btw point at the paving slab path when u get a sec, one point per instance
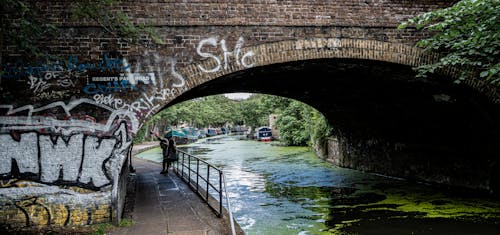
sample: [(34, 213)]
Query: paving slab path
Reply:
[(164, 204)]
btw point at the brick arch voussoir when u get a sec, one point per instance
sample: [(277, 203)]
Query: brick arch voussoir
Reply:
[(332, 48)]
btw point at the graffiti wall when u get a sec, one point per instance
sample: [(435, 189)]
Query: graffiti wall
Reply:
[(69, 113), (67, 126), (59, 169)]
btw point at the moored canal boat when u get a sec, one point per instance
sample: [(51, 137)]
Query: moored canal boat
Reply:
[(179, 137), (263, 133)]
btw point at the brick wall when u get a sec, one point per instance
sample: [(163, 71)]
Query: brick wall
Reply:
[(259, 21), (343, 13), (92, 99)]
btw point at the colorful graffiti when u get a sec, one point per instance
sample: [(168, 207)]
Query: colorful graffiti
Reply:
[(30, 117), (64, 150), (165, 84), (28, 203), (60, 171), (50, 76), (68, 68), (65, 159)]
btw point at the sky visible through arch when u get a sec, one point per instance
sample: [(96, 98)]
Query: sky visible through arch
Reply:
[(238, 96)]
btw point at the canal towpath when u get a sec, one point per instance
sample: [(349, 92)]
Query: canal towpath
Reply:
[(164, 204)]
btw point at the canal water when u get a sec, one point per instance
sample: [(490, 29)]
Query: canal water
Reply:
[(288, 190)]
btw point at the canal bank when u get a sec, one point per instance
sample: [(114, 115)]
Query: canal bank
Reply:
[(164, 204)]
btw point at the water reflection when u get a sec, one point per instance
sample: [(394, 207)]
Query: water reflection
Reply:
[(288, 190)]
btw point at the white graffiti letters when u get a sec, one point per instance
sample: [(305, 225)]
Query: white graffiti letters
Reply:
[(95, 152), (27, 162), (226, 55), (142, 107), (60, 156), (76, 158), (65, 127), (211, 42), (177, 75)]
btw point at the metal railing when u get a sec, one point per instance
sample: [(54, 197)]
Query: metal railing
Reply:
[(208, 181)]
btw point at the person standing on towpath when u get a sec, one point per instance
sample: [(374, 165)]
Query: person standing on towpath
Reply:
[(169, 151)]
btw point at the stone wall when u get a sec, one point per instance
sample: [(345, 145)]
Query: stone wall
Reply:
[(396, 161)]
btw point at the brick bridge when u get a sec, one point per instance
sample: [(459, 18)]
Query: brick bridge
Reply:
[(66, 127)]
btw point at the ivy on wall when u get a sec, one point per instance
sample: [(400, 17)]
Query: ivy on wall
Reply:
[(23, 25), (116, 23)]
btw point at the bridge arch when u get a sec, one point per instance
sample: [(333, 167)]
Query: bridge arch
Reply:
[(321, 48), (397, 124)]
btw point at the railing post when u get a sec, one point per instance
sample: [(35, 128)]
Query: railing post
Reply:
[(197, 173), (175, 165), (182, 166), (222, 185), (220, 194), (208, 180), (189, 169), (177, 162)]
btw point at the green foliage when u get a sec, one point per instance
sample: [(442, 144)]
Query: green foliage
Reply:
[(101, 229), (21, 26), (292, 125), (202, 112), (468, 34), (114, 22), (255, 113), (140, 135), (320, 128), (298, 123), (275, 103), (126, 222)]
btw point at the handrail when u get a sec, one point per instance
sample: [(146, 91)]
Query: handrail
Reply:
[(233, 231), (183, 168)]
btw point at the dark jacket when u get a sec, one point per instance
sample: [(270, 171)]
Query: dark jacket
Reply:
[(164, 148), (172, 150)]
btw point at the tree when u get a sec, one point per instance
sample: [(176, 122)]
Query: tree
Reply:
[(467, 34), (292, 124), (301, 124), (298, 123), (254, 113)]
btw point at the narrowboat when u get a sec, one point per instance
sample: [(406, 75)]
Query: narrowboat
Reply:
[(263, 133), (191, 134), (211, 132)]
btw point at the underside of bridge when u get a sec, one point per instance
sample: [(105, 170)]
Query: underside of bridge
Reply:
[(386, 120)]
